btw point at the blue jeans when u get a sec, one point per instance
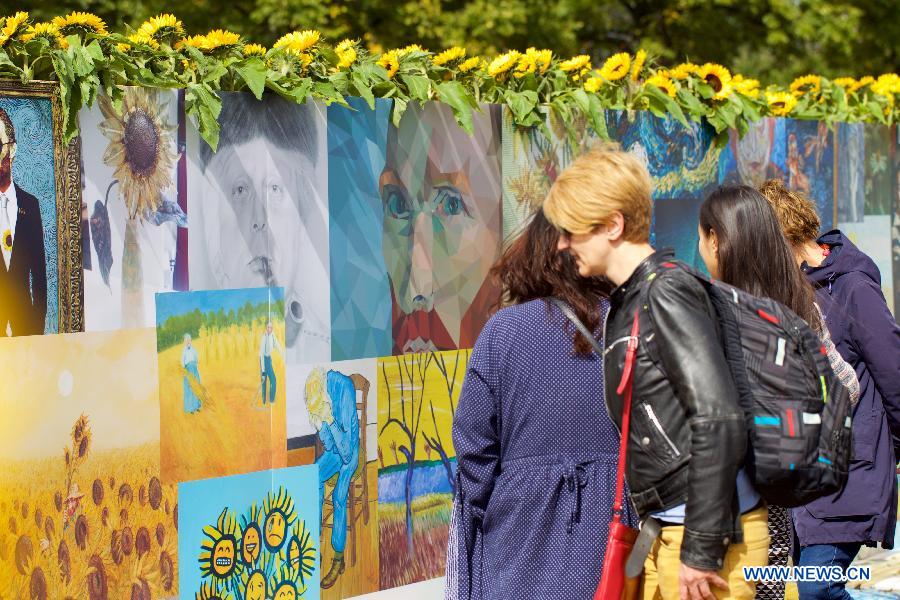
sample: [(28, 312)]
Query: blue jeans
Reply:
[(329, 464), (826, 555), (268, 375)]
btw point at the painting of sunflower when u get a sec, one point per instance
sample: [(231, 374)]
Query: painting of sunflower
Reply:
[(141, 151), (140, 148)]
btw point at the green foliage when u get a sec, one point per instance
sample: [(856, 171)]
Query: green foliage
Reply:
[(171, 332)]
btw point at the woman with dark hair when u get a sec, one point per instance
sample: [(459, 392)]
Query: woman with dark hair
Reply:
[(742, 244), (536, 450)]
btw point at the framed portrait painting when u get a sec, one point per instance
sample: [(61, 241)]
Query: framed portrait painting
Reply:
[(40, 214)]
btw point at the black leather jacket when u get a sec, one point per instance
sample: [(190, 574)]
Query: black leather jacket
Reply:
[(687, 437)]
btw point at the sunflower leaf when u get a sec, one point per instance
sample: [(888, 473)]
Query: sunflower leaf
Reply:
[(253, 72), (204, 105), (419, 87), (454, 94), (360, 86)]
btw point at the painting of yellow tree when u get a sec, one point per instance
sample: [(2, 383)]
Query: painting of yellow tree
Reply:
[(417, 396), (83, 512)]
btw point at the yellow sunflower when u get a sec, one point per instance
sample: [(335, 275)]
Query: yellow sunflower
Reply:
[(164, 27), (80, 22), (808, 84), (7, 240), (221, 39), (541, 58), (140, 39), (410, 49), (469, 64), (347, 54), (527, 64), (47, 31), (140, 148), (639, 59), (449, 55), (576, 63), (298, 42), (889, 82), (503, 63), (593, 84), (747, 87), (254, 50), (780, 103), (846, 83), (390, 62), (663, 82), (616, 67), (12, 25), (684, 70), (194, 41), (718, 78), (863, 82)]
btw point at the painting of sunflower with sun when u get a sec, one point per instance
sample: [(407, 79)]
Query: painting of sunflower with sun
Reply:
[(83, 512), (251, 537), (133, 213)]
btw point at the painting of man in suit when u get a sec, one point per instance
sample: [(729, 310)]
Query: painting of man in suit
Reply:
[(23, 277)]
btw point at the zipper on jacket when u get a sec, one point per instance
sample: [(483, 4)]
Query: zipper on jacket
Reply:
[(652, 416)]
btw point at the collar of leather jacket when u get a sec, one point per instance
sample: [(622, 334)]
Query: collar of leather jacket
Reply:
[(647, 266)]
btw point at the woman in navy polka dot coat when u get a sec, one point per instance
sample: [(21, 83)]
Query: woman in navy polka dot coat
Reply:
[(536, 450)]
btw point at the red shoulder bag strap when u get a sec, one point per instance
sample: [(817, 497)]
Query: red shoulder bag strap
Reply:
[(626, 386)]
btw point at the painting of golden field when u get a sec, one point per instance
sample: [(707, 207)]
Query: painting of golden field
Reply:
[(417, 397), (83, 513), (232, 431)]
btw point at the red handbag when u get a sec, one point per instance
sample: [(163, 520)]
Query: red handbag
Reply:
[(614, 585)]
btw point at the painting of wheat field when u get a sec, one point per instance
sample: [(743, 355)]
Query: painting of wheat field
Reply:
[(83, 512), (222, 406)]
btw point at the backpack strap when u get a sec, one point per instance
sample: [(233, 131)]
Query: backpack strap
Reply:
[(581, 327), (626, 386)]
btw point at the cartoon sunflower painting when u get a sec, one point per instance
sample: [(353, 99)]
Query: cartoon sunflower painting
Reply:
[(218, 556), (272, 553), (141, 152)]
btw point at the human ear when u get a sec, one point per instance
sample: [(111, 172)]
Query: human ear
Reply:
[(615, 226)]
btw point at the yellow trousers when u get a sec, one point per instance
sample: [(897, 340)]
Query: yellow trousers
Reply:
[(660, 580)]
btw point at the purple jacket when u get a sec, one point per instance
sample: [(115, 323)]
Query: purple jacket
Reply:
[(848, 289)]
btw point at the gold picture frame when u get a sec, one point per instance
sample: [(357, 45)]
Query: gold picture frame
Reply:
[(67, 175)]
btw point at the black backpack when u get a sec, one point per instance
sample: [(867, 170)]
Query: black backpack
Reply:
[(797, 411)]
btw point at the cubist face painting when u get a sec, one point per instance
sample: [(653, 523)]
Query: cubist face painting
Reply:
[(441, 194)]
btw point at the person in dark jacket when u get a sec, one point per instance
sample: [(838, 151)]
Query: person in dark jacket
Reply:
[(687, 439), (536, 450), (831, 530)]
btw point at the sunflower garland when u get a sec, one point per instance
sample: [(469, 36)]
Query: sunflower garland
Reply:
[(302, 64)]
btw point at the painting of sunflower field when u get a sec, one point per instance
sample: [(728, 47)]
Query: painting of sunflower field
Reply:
[(221, 382), (251, 537), (83, 512)]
